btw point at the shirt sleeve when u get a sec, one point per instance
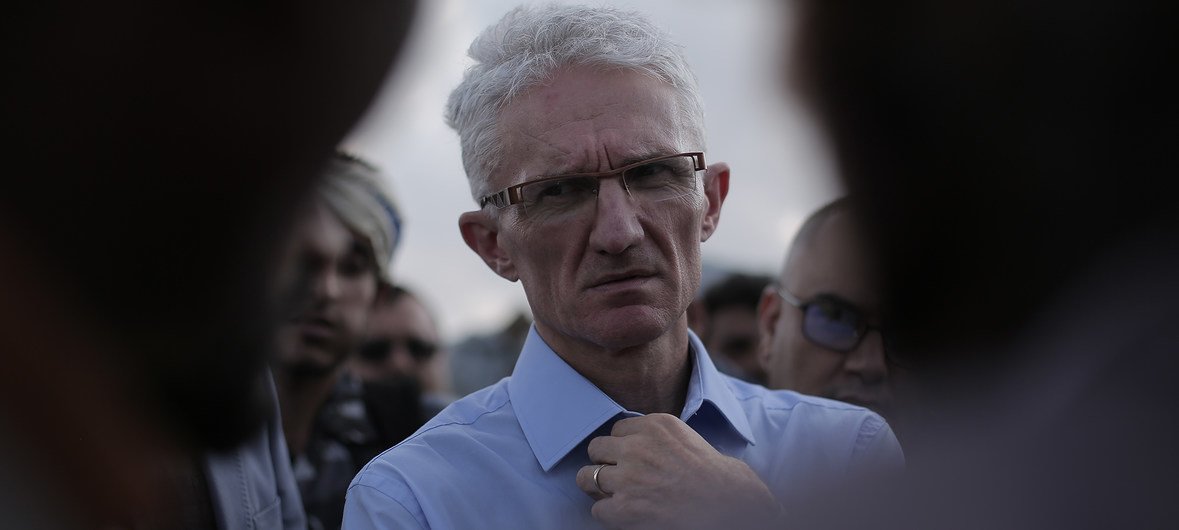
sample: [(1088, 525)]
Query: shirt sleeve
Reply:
[(369, 508), (293, 517), (876, 450)]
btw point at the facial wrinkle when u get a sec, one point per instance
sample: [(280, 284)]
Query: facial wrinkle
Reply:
[(540, 139)]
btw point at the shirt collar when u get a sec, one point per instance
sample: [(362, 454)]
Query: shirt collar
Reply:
[(558, 408), (707, 385)]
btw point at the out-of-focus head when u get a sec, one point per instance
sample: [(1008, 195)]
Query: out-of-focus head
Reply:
[(730, 308), (159, 152), (402, 340), (820, 321), (598, 195), (998, 147), (531, 45), (340, 255)]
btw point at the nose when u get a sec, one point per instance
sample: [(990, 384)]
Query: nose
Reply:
[(402, 362), (616, 223), (867, 360), (326, 284)]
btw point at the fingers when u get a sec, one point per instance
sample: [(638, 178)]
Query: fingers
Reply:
[(660, 473), (585, 480), (656, 429), (608, 512), (605, 450), (638, 424)]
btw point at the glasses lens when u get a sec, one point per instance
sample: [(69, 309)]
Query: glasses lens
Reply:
[(419, 349), (375, 351), (892, 353), (556, 196), (832, 324), (664, 179)]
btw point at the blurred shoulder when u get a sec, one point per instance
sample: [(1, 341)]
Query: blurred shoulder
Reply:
[(803, 441), (790, 409)]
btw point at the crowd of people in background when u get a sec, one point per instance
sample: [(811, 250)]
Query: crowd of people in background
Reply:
[(203, 327)]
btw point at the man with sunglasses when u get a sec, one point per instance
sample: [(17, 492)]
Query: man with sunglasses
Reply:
[(819, 323), (583, 141), (402, 343)]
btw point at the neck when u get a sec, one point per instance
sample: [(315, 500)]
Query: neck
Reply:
[(648, 378), (300, 396)]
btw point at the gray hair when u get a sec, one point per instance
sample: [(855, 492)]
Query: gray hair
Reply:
[(530, 44)]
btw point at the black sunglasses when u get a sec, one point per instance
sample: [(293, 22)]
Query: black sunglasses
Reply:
[(833, 323), (378, 350)]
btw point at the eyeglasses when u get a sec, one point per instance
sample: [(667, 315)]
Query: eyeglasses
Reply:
[(378, 350), (657, 179), (832, 323)]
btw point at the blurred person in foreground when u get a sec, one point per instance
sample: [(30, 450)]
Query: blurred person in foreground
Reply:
[(819, 323), (730, 332), (1014, 160), (582, 137), (401, 341), (155, 155), (342, 253)]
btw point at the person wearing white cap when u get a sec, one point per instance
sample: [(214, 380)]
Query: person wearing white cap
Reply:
[(338, 263)]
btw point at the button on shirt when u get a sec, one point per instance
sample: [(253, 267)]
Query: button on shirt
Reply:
[(507, 456)]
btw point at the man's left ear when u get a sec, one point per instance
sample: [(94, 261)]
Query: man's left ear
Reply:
[(716, 188)]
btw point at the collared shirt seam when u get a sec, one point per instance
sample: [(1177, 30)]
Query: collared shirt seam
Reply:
[(871, 423), (471, 422), (421, 522), (843, 407), (422, 433), (870, 428), (698, 371)]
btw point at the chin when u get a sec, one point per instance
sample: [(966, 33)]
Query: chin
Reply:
[(312, 361), (630, 326)]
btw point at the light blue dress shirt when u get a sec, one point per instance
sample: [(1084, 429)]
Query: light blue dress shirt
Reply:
[(507, 456)]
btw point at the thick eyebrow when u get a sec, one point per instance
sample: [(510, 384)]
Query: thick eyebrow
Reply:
[(641, 156), (644, 156)]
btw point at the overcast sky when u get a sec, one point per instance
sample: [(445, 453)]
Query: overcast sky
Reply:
[(781, 170)]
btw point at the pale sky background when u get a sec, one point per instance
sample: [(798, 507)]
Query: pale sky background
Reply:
[(781, 169)]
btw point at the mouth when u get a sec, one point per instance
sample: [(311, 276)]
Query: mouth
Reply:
[(316, 328), (622, 280)]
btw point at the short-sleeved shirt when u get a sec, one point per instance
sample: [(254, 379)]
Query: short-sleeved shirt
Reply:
[(507, 456)]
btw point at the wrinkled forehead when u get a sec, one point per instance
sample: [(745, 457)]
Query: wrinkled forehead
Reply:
[(585, 121)]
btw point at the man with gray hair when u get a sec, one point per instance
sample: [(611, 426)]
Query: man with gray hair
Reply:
[(582, 137)]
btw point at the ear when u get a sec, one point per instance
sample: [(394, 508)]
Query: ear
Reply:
[(481, 233), (716, 188), (769, 308)]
